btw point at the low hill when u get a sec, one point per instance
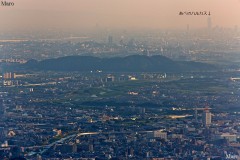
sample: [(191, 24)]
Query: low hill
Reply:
[(135, 63)]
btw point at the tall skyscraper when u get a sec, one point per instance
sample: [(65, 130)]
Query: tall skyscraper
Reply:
[(110, 40), (207, 117), (209, 23), (236, 29)]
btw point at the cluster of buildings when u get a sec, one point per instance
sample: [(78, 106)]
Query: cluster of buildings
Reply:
[(101, 115)]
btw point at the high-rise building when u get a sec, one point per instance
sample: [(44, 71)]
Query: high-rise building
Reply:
[(110, 40), (207, 117), (8, 75), (236, 29), (209, 23)]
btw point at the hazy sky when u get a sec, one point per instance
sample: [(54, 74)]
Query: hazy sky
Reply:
[(80, 14)]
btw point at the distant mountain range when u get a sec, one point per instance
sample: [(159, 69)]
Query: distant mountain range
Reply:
[(135, 63)]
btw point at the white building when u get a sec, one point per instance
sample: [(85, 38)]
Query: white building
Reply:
[(227, 136), (157, 134), (207, 118)]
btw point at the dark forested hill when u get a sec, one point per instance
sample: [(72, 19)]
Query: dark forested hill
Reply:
[(135, 63)]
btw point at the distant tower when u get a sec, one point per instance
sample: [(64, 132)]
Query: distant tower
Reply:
[(110, 40), (207, 117), (148, 54), (236, 29), (209, 23)]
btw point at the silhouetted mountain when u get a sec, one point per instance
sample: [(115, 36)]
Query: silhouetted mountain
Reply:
[(135, 63)]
